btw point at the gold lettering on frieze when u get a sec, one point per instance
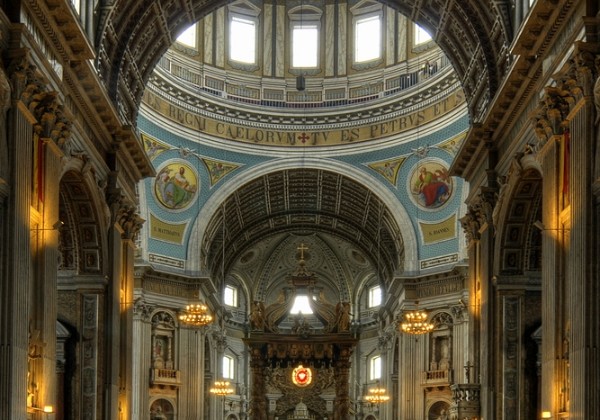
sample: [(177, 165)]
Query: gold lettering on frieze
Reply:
[(306, 137)]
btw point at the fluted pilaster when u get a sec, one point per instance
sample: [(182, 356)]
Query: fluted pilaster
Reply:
[(16, 288)]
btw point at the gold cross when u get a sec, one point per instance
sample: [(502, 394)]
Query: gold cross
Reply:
[(302, 248)]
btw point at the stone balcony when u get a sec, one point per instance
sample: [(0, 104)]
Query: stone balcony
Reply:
[(168, 377), (436, 377)]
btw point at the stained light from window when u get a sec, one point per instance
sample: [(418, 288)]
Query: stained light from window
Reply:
[(305, 45), (228, 367), (230, 296), (367, 39), (188, 37), (375, 368), (421, 35), (242, 40), (301, 306), (374, 296)]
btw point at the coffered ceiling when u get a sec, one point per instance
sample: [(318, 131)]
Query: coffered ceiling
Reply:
[(301, 201)]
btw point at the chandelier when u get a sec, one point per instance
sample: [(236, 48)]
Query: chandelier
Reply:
[(377, 395), (415, 322), (221, 388), (196, 315)]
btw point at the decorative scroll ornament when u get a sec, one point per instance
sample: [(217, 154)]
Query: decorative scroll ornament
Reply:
[(221, 388), (196, 315), (302, 376)]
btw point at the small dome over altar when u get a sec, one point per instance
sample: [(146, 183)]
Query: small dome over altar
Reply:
[(301, 413)]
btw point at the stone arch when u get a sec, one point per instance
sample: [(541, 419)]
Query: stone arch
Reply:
[(82, 242), (162, 409), (518, 240), (439, 410)]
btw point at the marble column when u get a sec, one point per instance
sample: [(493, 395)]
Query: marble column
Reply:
[(15, 274), (44, 298), (582, 273), (553, 298), (142, 350)]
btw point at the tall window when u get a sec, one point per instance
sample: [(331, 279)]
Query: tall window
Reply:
[(305, 25), (228, 367), (305, 45), (242, 39), (367, 38), (375, 368), (188, 37), (374, 296), (421, 35), (230, 297)]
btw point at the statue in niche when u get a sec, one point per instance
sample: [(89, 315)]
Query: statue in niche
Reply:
[(444, 361), (343, 316), (257, 316), (440, 354), (158, 353)]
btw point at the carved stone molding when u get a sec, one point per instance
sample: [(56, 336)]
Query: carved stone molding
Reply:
[(129, 221), (472, 222)]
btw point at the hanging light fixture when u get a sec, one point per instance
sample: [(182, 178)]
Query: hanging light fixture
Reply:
[(196, 315), (221, 388), (377, 395), (416, 322)]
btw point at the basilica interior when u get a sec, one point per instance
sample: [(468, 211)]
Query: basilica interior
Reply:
[(299, 210)]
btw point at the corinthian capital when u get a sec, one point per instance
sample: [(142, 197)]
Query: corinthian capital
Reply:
[(129, 221)]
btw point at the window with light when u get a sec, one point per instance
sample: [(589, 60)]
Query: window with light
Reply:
[(374, 296), (421, 35), (375, 368), (301, 306), (367, 38), (230, 297), (228, 367), (242, 39), (188, 37), (305, 45)]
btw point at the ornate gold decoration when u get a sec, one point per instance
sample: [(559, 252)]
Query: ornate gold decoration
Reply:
[(415, 322), (302, 376), (221, 388), (196, 315), (377, 395)]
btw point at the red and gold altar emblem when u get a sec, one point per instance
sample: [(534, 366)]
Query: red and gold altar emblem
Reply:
[(301, 376)]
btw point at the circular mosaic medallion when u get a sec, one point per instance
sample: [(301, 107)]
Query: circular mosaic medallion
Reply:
[(176, 185), (430, 184)]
